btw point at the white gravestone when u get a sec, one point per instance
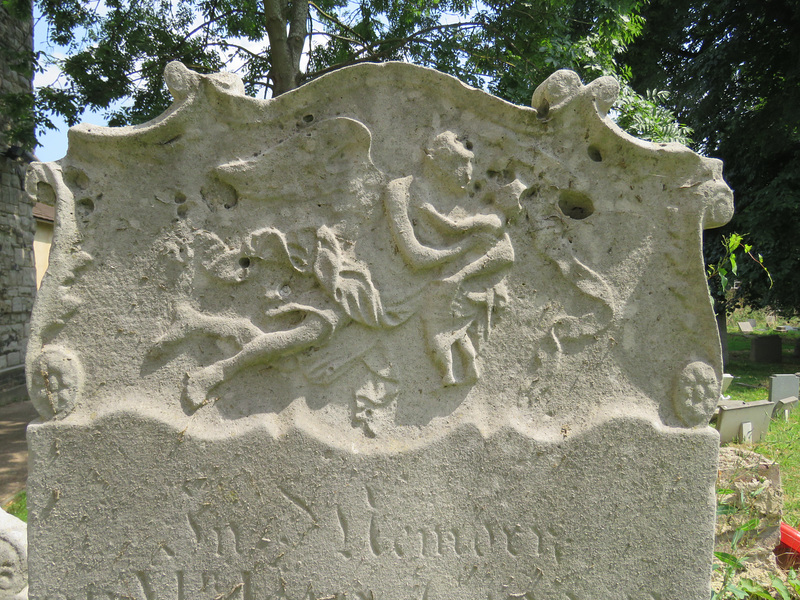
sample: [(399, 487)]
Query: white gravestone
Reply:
[(383, 337)]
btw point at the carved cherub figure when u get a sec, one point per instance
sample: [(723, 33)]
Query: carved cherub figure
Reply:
[(457, 255), (467, 254), (345, 281)]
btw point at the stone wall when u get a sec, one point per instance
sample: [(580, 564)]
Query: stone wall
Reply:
[(17, 272)]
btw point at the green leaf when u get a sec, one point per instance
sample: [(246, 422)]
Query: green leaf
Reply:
[(780, 587), (730, 560), (733, 264), (755, 589), (750, 525), (737, 537), (737, 592)]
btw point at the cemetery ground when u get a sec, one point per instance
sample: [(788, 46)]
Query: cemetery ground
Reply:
[(751, 383)]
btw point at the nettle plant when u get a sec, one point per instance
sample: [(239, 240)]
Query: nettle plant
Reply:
[(728, 264)]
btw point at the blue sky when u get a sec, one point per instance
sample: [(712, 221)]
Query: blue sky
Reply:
[(53, 144)]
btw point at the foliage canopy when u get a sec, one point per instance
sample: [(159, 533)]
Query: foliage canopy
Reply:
[(116, 51), (732, 69)]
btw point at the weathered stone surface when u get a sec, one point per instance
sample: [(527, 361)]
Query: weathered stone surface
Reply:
[(13, 558), (414, 342)]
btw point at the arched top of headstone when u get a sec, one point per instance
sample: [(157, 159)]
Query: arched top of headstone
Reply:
[(377, 258)]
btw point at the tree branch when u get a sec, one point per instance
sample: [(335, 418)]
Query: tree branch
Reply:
[(400, 42), (298, 30), (396, 43), (237, 47), (333, 19)]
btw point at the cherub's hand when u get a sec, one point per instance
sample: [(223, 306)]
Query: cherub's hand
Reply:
[(473, 224)]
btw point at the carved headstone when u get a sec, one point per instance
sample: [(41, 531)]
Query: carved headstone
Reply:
[(13, 558), (383, 337)]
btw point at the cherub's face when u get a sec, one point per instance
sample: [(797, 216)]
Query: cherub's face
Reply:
[(12, 575), (450, 161)]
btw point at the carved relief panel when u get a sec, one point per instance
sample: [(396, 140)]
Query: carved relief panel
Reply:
[(371, 276)]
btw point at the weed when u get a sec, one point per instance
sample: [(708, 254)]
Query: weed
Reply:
[(18, 506)]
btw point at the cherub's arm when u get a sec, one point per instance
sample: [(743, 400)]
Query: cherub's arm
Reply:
[(417, 255), (467, 225), (500, 256)]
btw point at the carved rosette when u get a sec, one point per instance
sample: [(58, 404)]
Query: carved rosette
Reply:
[(13, 558), (57, 381), (695, 393)]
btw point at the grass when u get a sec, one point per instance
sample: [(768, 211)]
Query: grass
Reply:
[(18, 506), (751, 382)]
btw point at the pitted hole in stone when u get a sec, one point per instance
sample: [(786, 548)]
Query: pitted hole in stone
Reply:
[(180, 198), (468, 145), (84, 207), (217, 194), (183, 210), (543, 110), (594, 153), (45, 193), (76, 177), (244, 262), (502, 176), (530, 193), (575, 205), (308, 118)]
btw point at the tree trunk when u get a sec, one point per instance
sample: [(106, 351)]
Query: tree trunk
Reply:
[(285, 49), (722, 327)]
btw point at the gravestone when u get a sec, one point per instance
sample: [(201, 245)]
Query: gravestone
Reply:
[(743, 421), (784, 385), (783, 408), (383, 337), (766, 349)]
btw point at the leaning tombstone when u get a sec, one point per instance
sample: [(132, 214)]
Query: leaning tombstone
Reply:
[(743, 421), (399, 344), (783, 408)]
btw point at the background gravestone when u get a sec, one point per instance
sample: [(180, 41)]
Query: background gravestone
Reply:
[(410, 343)]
